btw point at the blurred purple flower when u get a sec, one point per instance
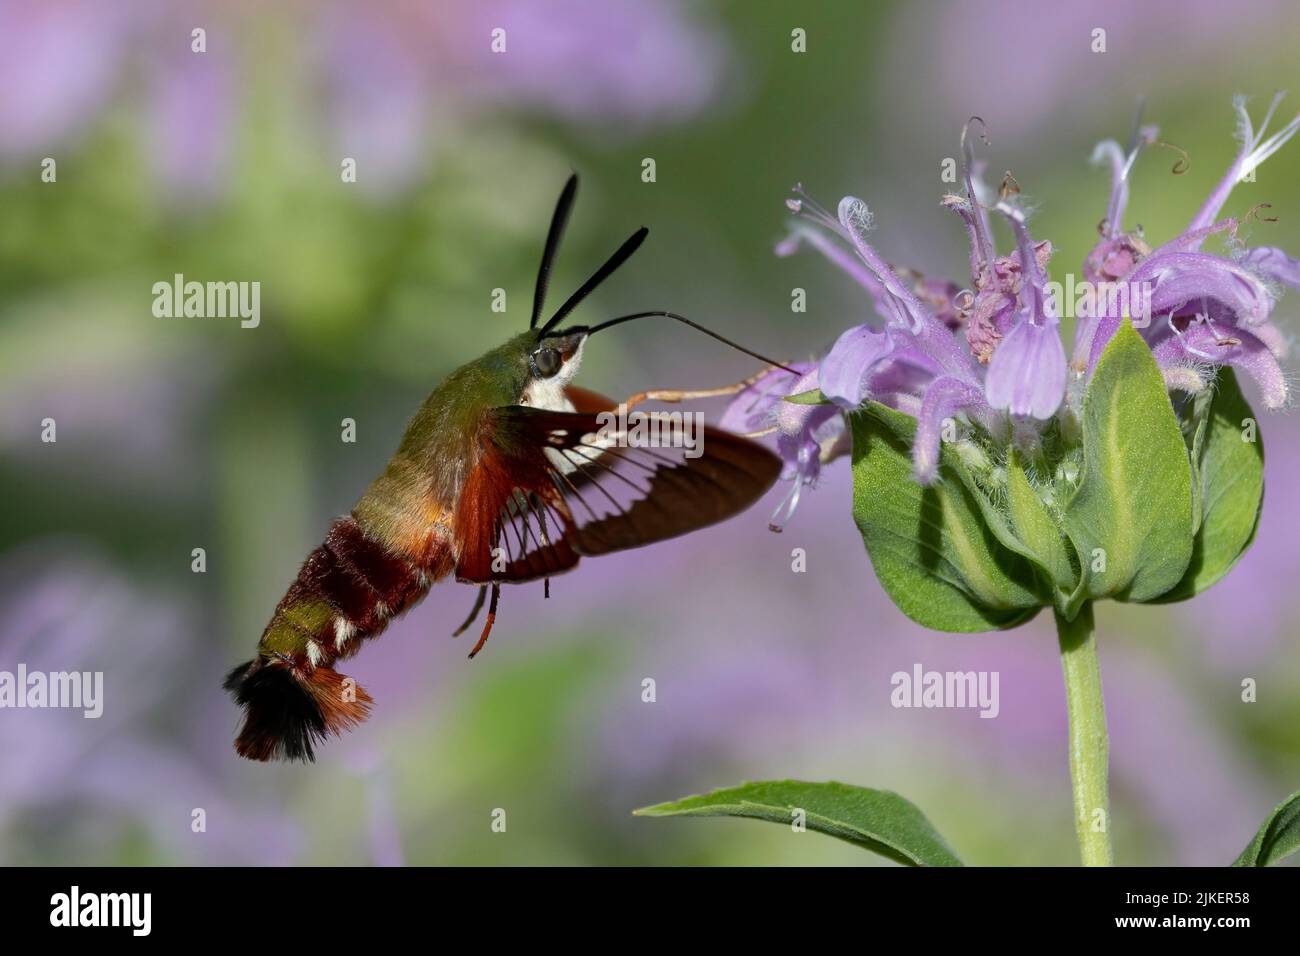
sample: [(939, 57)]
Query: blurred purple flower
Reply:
[(591, 62), (190, 111), (129, 416), (1033, 54), (61, 62), (65, 611), (58, 61), (398, 68), (393, 75), (1161, 768), (378, 82)]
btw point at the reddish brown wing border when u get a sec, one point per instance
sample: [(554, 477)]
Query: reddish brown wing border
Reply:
[(510, 502), (541, 518)]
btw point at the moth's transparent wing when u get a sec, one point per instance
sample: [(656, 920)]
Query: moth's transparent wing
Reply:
[(550, 487)]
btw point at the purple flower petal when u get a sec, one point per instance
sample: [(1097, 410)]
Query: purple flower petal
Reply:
[(847, 368), (945, 397), (1095, 334), (899, 305), (1275, 264), (795, 426), (855, 218), (1188, 281), (1201, 342), (755, 407), (1027, 373), (804, 433)]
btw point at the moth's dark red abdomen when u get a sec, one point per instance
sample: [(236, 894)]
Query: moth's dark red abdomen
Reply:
[(379, 578), (346, 591)]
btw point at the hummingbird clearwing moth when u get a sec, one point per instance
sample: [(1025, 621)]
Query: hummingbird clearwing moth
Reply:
[(507, 473)]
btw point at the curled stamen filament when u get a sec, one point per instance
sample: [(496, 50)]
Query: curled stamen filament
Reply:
[(1183, 164), (1254, 211)]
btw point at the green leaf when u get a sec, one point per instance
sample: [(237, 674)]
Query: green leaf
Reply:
[(1195, 424), (1033, 524), (876, 820), (1278, 838), (1133, 508), (1228, 470), (813, 396), (935, 549)]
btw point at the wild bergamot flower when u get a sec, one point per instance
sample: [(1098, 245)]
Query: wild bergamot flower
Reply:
[(993, 478), (992, 354)]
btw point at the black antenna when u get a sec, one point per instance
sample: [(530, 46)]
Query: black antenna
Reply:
[(695, 325), (558, 221), (619, 257)]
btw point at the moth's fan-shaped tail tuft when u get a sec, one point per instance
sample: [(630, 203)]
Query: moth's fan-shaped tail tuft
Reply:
[(288, 711)]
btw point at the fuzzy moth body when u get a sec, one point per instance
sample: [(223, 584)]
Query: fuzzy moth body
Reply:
[(346, 592), (497, 452)]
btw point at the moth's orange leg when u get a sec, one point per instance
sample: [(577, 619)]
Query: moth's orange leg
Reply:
[(491, 619), (478, 606), (686, 395)]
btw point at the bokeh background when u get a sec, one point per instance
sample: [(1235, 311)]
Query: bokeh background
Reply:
[(182, 433)]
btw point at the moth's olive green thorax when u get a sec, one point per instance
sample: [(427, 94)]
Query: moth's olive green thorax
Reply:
[(528, 367), (442, 439)]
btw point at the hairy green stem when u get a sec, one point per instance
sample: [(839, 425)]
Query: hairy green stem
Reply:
[(1089, 745)]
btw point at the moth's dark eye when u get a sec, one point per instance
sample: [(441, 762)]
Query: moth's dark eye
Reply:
[(547, 362)]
